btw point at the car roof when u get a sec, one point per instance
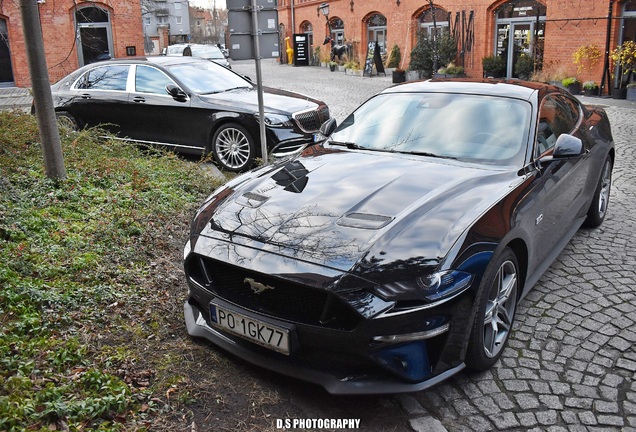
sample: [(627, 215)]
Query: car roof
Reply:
[(494, 87), (161, 60)]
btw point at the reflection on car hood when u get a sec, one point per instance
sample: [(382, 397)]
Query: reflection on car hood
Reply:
[(335, 207), (274, 100)]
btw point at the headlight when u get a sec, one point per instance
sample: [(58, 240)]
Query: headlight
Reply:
[(431, 287), (276, 120)]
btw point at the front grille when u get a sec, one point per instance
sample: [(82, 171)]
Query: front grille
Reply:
[(310, 121), (287, 300)]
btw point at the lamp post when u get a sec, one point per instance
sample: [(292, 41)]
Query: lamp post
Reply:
[(324, 8)]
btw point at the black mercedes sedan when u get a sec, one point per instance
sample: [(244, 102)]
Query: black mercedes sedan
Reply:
[(394, 254), (187, 104)]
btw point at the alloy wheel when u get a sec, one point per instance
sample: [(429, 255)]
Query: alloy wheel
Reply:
[(500, 309), (232, 148)]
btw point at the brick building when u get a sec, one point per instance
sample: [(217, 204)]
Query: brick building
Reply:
[(74, 32), (549, 30)]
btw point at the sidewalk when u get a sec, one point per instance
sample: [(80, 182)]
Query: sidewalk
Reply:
[(20, 98), (15, 98)]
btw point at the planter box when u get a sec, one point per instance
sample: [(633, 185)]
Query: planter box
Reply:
[(631, 94), (323, 64), (590, 92), (412, 75), (357, 72), (398, 77), (341, 68), (619, 93), (575, 88)]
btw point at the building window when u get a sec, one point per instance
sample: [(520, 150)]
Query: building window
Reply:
[(337, 30), (308, 29), (376, 26), (178, 19), (177, 5), (435, 18)]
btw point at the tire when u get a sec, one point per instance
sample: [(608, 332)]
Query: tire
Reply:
[(600, 201), (66, 120), (497, 304), (233, 148)]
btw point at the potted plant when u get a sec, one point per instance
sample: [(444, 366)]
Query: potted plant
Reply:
[(524, 67), (590, 88), (454, 71), (493, 66), (631, 92), (429, 53), (624, 57), (394, 57), (586, 57), (332, 66), (399, 75), (572, 85)]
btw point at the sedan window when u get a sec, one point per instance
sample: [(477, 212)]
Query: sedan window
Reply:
[(473, 128), (151, 80), (205, 77), (558, 116), (105, 78)]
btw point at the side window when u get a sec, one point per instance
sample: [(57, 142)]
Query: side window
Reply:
[(558, 115), (105, 78), (151, 80)]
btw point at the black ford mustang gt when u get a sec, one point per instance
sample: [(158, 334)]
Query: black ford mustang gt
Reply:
[(394, 254), (188, 104)]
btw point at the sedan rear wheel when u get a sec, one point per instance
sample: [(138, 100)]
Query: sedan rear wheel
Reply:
[(233, 148), (495, 312), (66, 120), (600, 201)]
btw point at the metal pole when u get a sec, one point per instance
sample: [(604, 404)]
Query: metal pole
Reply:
[(44, 110), (606, 66), (259, 81)]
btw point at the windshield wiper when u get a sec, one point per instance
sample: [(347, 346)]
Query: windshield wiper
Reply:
[(238, 88), (347, 144), (418, 153)]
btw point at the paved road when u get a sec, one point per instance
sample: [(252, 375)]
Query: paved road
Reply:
[(571, 362)]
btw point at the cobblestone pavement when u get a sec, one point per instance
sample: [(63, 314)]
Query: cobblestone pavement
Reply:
[(571, 362)]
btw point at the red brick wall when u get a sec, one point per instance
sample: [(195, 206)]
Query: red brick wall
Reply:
[(564, 33), (58, 31)]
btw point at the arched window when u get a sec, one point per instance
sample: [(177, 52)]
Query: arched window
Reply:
[(435, 18), (95, 41), (308, 29), (336, 25), (376, 26), (629, 22)]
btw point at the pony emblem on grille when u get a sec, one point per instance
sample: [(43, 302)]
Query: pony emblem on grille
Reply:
[(257, 287)]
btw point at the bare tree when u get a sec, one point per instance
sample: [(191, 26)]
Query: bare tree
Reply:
[(47, 123)]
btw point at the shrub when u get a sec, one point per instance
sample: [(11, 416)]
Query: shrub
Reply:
[(586, 57), (524, 67), (590, 85), (567, 82), (423, 56), (493, 64), (394, 57)]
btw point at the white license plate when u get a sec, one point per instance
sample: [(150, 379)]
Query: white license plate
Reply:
[(264, 334)]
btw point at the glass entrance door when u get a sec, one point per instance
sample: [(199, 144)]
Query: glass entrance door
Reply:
[(94, 44), (514, 40), (6, 71)]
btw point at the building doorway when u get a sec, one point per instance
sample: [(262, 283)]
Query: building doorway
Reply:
[(6, 70), (376, 26), (520, 36), (95, 41)]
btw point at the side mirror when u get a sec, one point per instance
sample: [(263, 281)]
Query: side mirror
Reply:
[(328, 127), (566, 147), (176, 93)]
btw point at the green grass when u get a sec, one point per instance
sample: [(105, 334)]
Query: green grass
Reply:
[(71, 254)]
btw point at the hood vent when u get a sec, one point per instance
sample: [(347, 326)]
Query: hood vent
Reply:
[(252, 200), (364, 220)]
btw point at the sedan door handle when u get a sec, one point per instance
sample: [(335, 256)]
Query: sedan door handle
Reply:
[(139, 99), (85, 96)]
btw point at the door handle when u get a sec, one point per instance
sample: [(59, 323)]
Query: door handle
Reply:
[(139, 99)]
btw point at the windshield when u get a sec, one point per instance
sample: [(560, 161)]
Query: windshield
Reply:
[(206, 77), (473, 128), (207, 52)]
